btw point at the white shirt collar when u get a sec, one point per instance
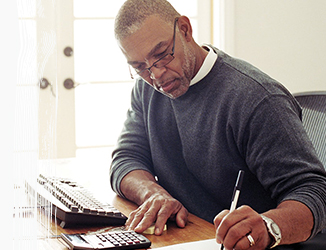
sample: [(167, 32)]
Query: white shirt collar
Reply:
[(206, 67)]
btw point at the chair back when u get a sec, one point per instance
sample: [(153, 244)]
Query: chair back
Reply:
[(314, 119)]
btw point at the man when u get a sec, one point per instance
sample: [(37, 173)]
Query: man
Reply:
[(197, 117)]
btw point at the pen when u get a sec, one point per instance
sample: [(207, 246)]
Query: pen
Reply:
[(236, 193)]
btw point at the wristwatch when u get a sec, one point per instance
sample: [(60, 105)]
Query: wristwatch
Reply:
[(273, 231)]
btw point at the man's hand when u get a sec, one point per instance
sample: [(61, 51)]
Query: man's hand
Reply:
[(158, 208), (232, 229), (294, 219), (156, 205)]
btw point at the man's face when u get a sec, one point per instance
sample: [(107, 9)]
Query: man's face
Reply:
[(150, 43)]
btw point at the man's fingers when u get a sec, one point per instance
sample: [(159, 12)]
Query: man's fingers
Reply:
[(233, 229), (218, 218), (182, 217), (140, 219), (217, 222), (157, 209)]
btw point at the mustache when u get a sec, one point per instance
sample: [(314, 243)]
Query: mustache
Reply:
[(164, 82)]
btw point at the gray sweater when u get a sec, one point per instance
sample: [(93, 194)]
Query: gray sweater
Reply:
[(235, 118)]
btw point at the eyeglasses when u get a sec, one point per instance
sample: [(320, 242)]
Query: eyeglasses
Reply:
[(160, 63)]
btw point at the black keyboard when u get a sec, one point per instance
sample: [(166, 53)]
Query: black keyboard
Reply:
[(110, 240), (73, 204)]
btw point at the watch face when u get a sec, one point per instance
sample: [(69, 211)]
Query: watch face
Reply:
[(275, 228)]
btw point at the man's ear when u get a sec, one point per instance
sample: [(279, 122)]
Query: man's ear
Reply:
[(185, 27)]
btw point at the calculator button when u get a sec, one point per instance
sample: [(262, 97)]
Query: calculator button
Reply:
[(115, 243)]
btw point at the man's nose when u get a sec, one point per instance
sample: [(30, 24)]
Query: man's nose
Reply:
[(156, 73)]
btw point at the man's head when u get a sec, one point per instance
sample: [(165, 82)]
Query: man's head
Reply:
[(133, 13), (158, 44)]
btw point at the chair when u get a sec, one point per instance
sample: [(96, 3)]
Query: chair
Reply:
[(314, 119)]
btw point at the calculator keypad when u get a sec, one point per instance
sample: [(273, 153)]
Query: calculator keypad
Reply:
[(122, 238)]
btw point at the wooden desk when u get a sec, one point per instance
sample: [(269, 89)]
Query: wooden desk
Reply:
[(46, 233), (196, 229)]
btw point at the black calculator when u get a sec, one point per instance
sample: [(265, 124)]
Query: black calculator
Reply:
[(108, 240)]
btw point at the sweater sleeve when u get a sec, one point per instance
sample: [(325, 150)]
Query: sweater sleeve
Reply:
[(279, 152), (132, 151)]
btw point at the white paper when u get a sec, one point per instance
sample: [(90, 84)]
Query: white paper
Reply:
[(202, 244)]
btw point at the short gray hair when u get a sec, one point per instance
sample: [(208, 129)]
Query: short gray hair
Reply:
[(134, 12)]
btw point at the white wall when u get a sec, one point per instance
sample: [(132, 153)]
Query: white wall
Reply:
[(284, 38)]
